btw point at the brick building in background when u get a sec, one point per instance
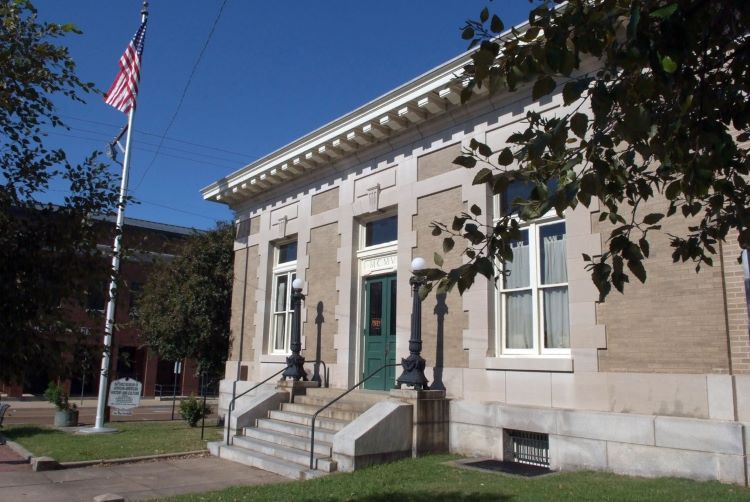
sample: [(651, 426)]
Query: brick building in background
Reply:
[(144, 243)]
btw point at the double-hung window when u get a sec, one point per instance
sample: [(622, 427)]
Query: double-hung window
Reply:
[(284, 273), (533, 293)]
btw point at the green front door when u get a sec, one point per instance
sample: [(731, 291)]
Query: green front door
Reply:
[(379, 331)]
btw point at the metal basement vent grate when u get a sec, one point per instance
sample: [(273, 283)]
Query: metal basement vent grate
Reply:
[(527, 447)]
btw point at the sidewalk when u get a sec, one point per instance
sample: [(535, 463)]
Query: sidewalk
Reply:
[(137, 481)]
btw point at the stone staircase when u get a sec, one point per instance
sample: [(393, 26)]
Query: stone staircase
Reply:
[(281, 442)]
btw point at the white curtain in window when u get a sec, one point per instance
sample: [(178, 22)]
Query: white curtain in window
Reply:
[(555, 269), (279, 340), (518, 269), (556, 314), (556, 318), (519, 320), (281, 293)]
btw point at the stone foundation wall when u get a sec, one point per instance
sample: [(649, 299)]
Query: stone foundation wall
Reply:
[(623, 443)]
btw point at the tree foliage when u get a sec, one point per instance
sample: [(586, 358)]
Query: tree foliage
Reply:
[(186, 303), (656, 105), (46, 252)]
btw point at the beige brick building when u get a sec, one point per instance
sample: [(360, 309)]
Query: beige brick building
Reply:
[(653, 382)]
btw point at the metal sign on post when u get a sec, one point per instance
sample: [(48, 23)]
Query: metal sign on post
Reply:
[(124, 396), (177, 371)]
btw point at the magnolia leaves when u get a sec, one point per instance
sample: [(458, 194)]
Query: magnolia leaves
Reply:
[(663, 113)]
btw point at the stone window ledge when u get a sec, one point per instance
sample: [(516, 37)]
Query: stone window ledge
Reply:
[(562, 364), (273, 358)]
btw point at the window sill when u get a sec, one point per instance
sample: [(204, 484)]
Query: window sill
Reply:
[(562, 364), (273, 358)]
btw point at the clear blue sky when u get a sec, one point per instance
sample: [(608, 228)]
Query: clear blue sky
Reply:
[(271, 72)]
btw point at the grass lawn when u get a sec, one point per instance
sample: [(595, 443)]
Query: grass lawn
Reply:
[(429, 479), (133, 439)]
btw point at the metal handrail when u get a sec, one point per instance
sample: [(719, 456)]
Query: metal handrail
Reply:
[(235, 398), (315, 415)]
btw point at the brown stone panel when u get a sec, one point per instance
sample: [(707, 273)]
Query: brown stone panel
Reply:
[(325, 201), (675, 322), (736, 300), (244, 288), (438, 162), (254, 225), (442, 341), (323, 268)]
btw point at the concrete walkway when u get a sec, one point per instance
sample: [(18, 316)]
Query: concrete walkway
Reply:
[(137, 481)]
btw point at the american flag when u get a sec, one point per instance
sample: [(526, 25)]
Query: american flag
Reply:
[(125, 87)]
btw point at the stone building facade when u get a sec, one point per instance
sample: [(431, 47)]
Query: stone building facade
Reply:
[(653, 382)]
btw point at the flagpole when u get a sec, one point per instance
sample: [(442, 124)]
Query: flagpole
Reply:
[(117, 251)]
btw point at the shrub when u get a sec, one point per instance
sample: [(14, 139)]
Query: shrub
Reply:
[(56, 395), (192, 410)]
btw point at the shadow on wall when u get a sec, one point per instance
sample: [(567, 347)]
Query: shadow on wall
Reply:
[(441, 309), (319, 320)]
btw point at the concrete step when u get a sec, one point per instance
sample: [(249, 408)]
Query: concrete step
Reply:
[(371, 396), (296, 429), (267, 462), (295, 455), (311, 409), (343, 405), (304, 419), (323, 448)]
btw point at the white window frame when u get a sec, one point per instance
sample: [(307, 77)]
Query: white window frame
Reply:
[(537, 289), (288, 270)]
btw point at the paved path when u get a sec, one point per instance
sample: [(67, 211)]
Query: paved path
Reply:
[(137, 481), (12, 461)]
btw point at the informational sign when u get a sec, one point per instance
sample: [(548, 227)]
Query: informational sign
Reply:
[(124, 396)]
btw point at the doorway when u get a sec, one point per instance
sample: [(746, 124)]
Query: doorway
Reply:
[(379, 331)]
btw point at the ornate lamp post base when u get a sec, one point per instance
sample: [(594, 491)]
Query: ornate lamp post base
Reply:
[(295, 368), (413, 373)]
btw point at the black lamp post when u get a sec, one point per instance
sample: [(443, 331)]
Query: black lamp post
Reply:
[(295, 363), (414, 364)]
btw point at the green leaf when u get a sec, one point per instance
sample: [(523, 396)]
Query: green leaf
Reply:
[(572, 91), (672, 191), (438, 259), (483, 176), (579, 124), (643, 243), (475, 210), (506, 157), (664, 12), (468, 33), (448, 244), (636, 266), (668, 64), (652, 218), (484, 150), (484, 267), (466, 161), (496, 25), (543, 86), (436, 230), (484, 15)]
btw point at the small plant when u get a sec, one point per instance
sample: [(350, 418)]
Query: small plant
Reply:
[(56, 395), (192, 410)]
